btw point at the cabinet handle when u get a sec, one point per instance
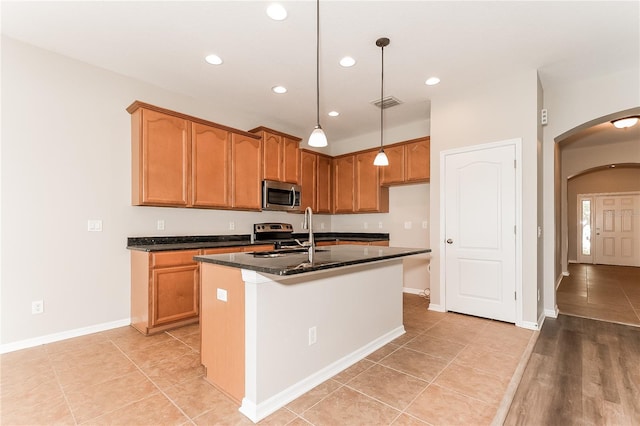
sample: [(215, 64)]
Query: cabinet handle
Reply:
[(293, 197), (449, 241)]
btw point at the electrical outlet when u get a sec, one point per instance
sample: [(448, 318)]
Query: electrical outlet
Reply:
[(160, 225), (94, 225), (321, 225), (379, 225), (313, 336), (232, 226), (221, 294), (425, 224), (37, 307), (407, 225), (366, 225)]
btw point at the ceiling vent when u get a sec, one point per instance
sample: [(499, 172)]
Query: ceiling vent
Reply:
[(387, 102)]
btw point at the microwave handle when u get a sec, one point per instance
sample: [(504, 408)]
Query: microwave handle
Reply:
[(293, 197)]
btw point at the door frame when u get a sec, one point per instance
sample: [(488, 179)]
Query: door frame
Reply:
[(517, 144)]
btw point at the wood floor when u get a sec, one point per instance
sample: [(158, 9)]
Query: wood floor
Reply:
[(581, 372)]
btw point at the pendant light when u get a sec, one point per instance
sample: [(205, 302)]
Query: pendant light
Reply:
[(317, 138), (381, 159)]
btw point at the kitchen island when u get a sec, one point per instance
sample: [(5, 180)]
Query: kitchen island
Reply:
[(274, 325)]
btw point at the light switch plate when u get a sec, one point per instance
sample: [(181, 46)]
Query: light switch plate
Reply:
[(221, 294), (407, 225), (94, 225)]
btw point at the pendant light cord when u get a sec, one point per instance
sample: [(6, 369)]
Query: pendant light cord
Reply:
[(318, 63), (381, 96)]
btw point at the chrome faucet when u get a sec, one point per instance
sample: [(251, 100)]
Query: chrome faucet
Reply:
[(308, 224)]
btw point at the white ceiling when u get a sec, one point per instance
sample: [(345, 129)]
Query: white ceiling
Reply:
[(463, 43)]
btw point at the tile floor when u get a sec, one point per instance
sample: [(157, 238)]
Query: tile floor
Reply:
[(447, 369), (602, 292)]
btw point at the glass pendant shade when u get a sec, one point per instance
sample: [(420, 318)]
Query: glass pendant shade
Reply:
[(318, 138), (381, 159)]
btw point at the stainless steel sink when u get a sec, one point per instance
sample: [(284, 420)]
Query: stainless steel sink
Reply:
[(283, 252)]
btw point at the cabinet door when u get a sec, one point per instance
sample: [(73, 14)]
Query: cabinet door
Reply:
[(290, 160), (368, 191), (174, 294), (210, 161), (308, 161), (343, 174), (246, 172), (163, 160), (394, 172), (271, 156), (418, 161), (323, 184)]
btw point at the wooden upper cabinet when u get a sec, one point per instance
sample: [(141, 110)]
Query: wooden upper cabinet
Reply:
[(160, 154), (323, 184), (343, 180), (280, 155), (210, 170), (408, 162), (246, 172), (369, 195), (308, 179), (291, 159), (394, 172), (418, 161)]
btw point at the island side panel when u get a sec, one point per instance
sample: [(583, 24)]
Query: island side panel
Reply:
[(222, 329), (350, 308), (140, 291)]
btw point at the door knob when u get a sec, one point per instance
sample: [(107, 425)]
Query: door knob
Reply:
[(449, 241)]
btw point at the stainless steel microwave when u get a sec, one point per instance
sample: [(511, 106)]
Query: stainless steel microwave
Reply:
[(280, 196)]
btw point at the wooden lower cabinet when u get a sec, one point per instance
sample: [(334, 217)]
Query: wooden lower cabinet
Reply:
[(165, 286), (382, 243)]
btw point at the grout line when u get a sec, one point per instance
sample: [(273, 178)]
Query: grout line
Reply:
[(64, 393)]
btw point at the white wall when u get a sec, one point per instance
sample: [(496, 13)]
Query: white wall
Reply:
[(570, 106), (66, 159), (494, 112)]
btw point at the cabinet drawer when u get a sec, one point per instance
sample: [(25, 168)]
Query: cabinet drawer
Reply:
[(221, 250), (173, 258)]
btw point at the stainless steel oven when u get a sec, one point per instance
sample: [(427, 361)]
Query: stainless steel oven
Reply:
[(280, 196)]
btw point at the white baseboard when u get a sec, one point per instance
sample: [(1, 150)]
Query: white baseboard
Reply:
[(566, 273), (558, 281), (528, 325), (551, 313), (56, 337), (436, 307), (418, 291), (257, 412)]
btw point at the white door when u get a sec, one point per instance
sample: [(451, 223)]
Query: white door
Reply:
[(480, 219), (618, 229)]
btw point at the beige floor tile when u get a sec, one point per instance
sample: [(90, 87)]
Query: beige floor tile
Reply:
[(407, 420), (195, 396), (499, 329), (75, 343), (454, 332), (93, 401), (102, 352), (382, 352), (191, 340), (510, 345), (103, 369), (154, 410), (224, 413), (473, 383), (389, 386), (184, 331), (129, 339), (31, 394), (435, 346), (348, 407), (15, 371), (51, 410), (280, 417), (353, 371), (406, 337), (173, 371), (439, 406), (417, 364), (492, 362), (315, 395), (161, 352)]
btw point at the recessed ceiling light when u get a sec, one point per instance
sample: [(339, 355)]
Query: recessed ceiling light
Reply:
[(431, 81), (347, 61), (213, 59), (277, 12), (333, 114), (279, 89), (623, 123)]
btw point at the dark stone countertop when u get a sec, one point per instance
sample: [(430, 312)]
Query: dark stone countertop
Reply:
[(195, 242), (328, 257)]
